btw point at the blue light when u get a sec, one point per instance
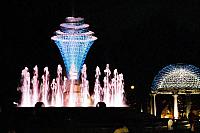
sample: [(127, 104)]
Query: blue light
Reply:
[(74, 41)]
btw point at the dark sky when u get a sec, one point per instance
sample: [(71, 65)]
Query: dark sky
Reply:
[(138, 37)]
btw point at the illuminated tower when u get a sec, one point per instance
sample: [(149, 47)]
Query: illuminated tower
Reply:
[(74, 41)]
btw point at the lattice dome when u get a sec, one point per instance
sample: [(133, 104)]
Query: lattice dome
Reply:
[(177, 77)]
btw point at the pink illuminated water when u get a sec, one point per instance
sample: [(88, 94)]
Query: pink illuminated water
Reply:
[(62, 92)]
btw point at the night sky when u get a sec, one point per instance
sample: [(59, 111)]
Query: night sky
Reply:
[(138, 37)]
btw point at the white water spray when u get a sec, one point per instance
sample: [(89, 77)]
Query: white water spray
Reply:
[(63, 92)]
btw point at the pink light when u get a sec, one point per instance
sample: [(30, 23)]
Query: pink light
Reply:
[(62, 92)]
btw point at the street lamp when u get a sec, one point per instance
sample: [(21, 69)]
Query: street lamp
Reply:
[(132, 87)]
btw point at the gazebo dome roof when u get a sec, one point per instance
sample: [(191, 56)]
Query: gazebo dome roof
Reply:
[(182, 78)]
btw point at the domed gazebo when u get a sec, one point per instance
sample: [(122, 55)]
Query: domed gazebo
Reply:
[(175, 79)]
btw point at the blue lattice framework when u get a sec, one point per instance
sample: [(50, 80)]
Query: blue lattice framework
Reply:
[(74, 41), (177, 77)]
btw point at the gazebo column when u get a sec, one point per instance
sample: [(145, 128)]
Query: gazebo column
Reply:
[(188, 104), (151, 104), (154, 104), (175, 106)]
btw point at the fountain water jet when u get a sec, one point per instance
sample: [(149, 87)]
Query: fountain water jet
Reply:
[(63, 92)]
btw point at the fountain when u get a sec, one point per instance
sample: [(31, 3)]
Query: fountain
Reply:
[(61, 92), (74, 41)]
